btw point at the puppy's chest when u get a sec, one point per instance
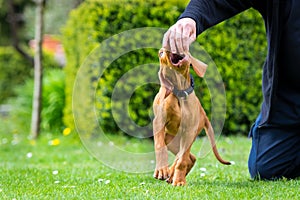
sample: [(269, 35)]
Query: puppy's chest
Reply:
[(187, 108)]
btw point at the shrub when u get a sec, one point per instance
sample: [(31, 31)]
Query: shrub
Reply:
[(15, 70), (53, 103), (237, 46), (95, 21)]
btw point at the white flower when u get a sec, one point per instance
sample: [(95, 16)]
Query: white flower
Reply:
[(100, 180), (203, 169), (4, 140), (111, 143), (67, 186), (99, 144), (29, 155), (55, 172)]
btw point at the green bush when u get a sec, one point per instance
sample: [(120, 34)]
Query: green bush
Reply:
[(15, 70), (53, 103), (237, 46), (95, 21)]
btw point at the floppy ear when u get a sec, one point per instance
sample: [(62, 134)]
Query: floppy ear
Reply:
[(198, 66), (160, 95)]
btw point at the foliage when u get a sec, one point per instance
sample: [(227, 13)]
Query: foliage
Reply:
[(95, 21), (55, 16), (67, 171), (15, 70), (237, 46), (5, 31), (53, 100), (53, 103)]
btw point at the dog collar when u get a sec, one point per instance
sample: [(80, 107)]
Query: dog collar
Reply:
[(183, 93)]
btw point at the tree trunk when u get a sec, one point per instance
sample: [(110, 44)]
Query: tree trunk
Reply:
[(38, 71)]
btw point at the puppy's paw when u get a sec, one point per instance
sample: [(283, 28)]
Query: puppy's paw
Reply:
[(162, 173), (179, 183), (171, 172), (179, 179)]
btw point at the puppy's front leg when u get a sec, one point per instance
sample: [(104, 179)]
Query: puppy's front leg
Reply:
[(161, 152)]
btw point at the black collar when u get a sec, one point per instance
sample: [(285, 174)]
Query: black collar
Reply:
[(182, 94)]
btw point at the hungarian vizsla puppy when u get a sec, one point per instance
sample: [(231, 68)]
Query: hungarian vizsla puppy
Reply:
[(179, 117)]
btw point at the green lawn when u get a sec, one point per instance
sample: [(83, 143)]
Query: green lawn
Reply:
[(67, 171)]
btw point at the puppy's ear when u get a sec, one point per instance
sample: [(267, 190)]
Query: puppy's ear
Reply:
[(198, 66), (160, 95)]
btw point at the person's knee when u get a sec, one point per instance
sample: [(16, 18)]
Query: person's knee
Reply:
[(259, 172), (267, 172), (272, 171)]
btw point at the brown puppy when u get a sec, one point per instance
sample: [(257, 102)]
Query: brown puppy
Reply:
[(179, 117)]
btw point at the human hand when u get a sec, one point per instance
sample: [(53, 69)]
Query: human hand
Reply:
[(179, 36)]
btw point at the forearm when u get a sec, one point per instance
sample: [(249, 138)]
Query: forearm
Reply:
[(207, 13)]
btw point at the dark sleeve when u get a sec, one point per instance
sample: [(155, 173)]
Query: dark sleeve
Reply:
[(207, 13)]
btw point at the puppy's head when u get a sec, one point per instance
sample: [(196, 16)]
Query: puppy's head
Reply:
[(173, 66), (171, 61)]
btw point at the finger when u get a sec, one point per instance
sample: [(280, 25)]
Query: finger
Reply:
[(185, 43), (188, 38), (178, 40), (172, 41), (166, 40)]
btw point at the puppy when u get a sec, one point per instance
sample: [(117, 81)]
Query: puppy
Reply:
[(179, 117)]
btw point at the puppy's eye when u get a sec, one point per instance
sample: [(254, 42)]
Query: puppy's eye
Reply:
[(161, 54)]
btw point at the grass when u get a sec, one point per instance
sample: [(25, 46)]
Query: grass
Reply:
[(40, 170)]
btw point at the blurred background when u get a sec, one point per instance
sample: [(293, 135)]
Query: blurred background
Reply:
[(73, 28)]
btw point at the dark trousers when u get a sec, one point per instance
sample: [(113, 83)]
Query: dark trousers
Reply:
[(275, 152)]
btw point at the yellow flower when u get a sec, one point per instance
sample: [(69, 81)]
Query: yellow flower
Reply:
[(32, 142), (66, 131), (54, 142)]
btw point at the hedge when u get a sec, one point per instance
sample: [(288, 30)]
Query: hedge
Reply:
[(95, 21), (15, 70), (53, 103), (237, 46)]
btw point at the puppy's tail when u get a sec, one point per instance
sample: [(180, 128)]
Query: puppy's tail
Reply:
[(211, 136)]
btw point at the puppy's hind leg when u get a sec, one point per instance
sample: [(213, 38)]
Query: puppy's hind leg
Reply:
[(173, 144)]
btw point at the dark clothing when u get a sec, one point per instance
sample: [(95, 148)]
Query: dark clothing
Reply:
[(279, 120), (275, 152), (287, 110), (289, 63), (207, 13)]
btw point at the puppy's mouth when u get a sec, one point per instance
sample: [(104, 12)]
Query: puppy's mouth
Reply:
[(176, 58)]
